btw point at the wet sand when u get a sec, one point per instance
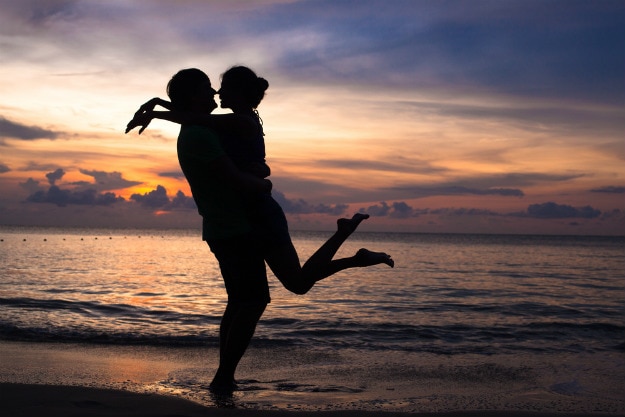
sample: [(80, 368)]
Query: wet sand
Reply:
[(43, 379)]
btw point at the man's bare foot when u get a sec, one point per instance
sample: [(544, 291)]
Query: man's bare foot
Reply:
[(350, 225), (222, 387), (365, 257)]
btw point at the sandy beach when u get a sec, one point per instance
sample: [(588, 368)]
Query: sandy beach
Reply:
[(21, 400), (56, 379)]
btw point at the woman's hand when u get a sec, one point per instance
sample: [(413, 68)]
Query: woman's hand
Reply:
[(144, 116), (153, 102), (140, 119)]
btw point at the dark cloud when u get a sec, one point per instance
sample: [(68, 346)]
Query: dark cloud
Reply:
[(551, 210), (505, 185), (402, 210), (516, 179), (36, 166), (30, 185), (378, 210), (398, 164), (12, 130), (548, 210), (463, 211), (300, 206), (609, 189), (612, 214), (154, 199), (108, 180), (536, 117), (4, 168), (53, 177), (552, 49), (397, 210), (183, 202), (421, 192), (171, 174), (158, 199), (62, 198)]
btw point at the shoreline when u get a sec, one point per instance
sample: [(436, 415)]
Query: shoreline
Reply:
[(70, 378)]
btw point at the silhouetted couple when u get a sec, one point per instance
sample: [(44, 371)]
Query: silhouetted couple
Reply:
[(223, 159)]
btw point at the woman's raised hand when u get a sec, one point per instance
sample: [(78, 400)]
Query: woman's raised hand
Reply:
[(143, 116), (140, 119)]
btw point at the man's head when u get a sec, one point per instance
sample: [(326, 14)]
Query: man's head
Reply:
[(190, 90)]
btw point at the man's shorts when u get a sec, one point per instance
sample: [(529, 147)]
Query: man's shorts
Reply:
[(242, 268)]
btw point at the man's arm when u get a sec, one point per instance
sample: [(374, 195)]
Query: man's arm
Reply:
[(247, 183)]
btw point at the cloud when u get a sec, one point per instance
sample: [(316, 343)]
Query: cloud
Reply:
[(609, 189), (158, 199), (154, 199), (4, 168), (183, 202), (55, 176), (171, 174), (402, 210), (510, 180), (397, 210), (62, 198), (420, 192), (573, 49), (30, 185), (36, 166), (463, 211), (12, 130), (300, 206), (551, 210), (398, 164), (505, 185), (108, 180), (531, 117)]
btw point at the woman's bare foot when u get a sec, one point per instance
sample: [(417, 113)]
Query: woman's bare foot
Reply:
[(350, 225), (365, 257)]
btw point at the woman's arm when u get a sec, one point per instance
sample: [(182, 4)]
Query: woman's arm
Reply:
[(234, 124), (142, 116)]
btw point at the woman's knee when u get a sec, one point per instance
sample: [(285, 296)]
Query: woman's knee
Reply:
[(298, 288)]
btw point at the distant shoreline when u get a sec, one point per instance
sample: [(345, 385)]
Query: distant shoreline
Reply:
[(101, 231)]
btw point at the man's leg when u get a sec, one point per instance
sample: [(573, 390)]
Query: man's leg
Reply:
[(237, 328)]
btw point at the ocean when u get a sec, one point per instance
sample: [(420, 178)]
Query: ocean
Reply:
[(449, 297)]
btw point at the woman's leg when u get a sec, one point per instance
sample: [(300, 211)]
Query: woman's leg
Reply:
[(285, 264)]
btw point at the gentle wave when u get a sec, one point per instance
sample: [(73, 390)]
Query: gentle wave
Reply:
[(150, 327), (448, 294)]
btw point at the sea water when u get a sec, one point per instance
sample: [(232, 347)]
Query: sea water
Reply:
[(448, 295)]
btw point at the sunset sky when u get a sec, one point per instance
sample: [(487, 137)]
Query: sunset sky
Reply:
[(432, 116)]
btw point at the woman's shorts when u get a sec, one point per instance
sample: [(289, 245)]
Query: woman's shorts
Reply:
[(269, 224)]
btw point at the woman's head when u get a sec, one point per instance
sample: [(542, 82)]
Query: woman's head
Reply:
[(190, 88), (240, 86)]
